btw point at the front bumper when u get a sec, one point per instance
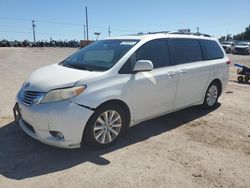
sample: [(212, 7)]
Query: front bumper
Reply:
[(242, 51), (64, 116)]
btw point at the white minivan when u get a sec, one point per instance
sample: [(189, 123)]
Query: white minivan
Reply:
[(96, 93)]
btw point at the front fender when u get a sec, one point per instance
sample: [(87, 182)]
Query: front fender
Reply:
[(94, 99)]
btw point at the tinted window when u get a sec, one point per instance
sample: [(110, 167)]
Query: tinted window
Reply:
[(187, 50), (156, 51), (211, 50)]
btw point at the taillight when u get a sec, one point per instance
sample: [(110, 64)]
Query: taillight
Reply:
[(228, 62)]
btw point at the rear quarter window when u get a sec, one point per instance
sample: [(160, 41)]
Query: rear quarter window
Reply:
[(211, 50)]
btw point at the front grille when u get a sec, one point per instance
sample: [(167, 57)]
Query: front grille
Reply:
[(241, 49), (29, 126), (30, 97)]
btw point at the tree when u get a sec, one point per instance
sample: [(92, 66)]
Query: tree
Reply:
[(243, 35)]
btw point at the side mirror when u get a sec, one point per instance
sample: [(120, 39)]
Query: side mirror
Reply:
[(143, 65)]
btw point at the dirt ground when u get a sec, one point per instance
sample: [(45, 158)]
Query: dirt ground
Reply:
[(189, 148)]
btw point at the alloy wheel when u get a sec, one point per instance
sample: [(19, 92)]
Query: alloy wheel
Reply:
[(107, 127), (212, 95)]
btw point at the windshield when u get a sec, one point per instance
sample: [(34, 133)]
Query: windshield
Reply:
[(242, 44), (227, 43), (100, 55)]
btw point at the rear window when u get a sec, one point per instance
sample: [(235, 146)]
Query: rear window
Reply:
[(187, 50), (211, 50)]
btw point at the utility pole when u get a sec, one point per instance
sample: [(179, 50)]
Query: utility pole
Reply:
[(109, 31), (87, 25), (198, 29), (33, 26), (84, 30)]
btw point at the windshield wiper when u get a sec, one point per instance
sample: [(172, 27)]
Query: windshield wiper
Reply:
[(81, 67)]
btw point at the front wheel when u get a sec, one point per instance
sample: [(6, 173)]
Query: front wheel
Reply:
[(240, 79), (211, 96), (105, 125)]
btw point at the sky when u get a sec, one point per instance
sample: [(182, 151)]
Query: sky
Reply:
[(64, 19)]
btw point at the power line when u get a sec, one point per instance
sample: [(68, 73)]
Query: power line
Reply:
[(59, 23), (65, 23), (21, 32), (37, 33), (41, 21), (11, 18)]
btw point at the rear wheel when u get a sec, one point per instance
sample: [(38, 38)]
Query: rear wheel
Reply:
[(105, 125), (211, 96), (246, 78)]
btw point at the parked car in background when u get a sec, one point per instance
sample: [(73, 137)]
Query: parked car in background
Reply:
[(52, 43), (227, 45), (242, 47), (4, 43), (25, 43), (95, 94)]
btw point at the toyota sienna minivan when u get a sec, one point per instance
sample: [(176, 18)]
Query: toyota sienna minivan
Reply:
[(95, 94)]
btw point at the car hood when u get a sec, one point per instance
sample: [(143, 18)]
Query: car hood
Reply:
[(55, 76), (226, 45), (240, 46)]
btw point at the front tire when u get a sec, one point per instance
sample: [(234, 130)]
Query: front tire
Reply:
[(105, 126), (240, 79), (212, 95)]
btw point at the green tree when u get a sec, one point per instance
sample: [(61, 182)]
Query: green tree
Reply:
[(244, 35), (247, 33)]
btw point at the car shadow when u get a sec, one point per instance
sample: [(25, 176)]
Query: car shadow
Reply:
[(23, 157)]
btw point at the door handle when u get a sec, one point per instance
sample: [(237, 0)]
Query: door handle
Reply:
[(171, 74), (182, 71)]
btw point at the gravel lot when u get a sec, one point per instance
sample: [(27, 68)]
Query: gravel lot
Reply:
[(190, 148)]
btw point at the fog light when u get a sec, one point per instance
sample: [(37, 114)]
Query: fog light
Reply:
[(57, 134)]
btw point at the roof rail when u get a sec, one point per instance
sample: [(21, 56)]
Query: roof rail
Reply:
[(173, 32), (189, 33), (158, 32)]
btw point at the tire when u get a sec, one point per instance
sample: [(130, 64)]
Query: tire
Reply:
[(240, 78), (246, 78), (211, 96), (100, 132)]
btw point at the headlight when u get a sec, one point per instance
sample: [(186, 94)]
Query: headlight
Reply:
[(63, 94)]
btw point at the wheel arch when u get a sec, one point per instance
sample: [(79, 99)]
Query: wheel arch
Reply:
[(122, 104), (219, 83), (119, 102)]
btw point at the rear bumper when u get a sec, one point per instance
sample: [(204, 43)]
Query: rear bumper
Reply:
[(65, 117)]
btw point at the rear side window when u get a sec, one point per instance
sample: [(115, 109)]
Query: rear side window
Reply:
[(187, 50), (156, 51), (211, 50)]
